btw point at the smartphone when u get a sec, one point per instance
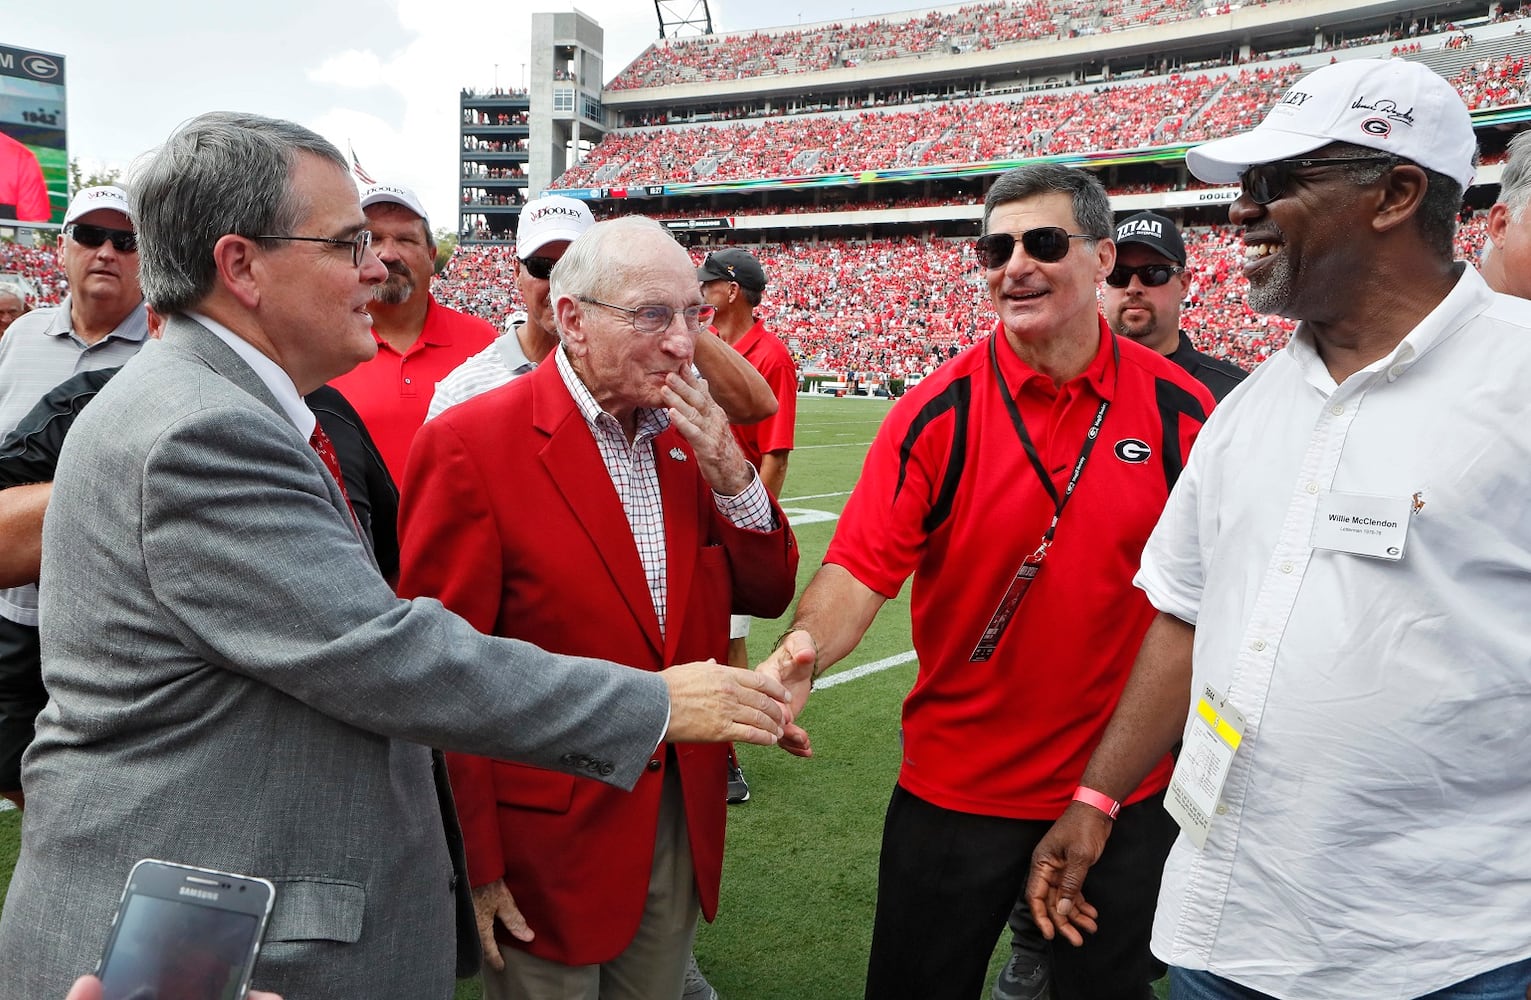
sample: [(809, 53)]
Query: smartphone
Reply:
[(184, 933)]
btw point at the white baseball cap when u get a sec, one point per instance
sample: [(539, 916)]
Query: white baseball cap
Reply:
[(1390, 105), (393, 194), (94, 199), (547, 220)]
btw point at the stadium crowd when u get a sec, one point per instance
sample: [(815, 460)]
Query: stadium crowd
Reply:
[(969, 28), (1179, 108)]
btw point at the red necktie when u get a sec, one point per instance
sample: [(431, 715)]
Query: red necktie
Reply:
[(321, 443)]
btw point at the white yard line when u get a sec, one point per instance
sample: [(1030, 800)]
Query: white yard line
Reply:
[(866, 669)]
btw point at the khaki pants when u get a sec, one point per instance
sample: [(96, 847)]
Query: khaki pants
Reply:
[(653, 966)]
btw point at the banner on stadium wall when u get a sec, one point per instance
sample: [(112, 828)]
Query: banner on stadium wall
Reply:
[(1211, 196), (33, 134), (693, 225)]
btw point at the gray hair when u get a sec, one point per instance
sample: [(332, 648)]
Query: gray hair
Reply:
[(1515, 182), (1436, 218), (597, 262), (1092, 206), (219, 173)]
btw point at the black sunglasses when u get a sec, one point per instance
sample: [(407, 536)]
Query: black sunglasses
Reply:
[(123, 240), (1152, 275), (1048, 244), (1265, 182), (540, 268)]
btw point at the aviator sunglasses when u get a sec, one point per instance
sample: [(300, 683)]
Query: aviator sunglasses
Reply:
[(1265, 182), (1048, 244), (123, 240), (1151, 275)]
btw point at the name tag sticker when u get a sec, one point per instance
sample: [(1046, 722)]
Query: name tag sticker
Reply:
[(1372, 526), (1211, 739)]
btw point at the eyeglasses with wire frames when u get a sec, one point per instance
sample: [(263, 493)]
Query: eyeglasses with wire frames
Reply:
[(1264, 183), (1151, 275), (91, 237), (359, 244), (540, 268), (655, 319), (1048, 244)]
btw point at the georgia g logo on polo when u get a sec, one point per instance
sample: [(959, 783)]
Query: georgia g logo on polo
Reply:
[(1133, 451)]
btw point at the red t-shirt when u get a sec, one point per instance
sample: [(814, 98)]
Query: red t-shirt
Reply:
[(393, 391), (770, 358), (21, 183), (947, 494)]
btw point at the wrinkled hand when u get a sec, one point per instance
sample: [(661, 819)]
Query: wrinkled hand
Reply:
[(1058, 868), (492, 901), (710, 703), (793, 663), (89, 988), (704, 425)]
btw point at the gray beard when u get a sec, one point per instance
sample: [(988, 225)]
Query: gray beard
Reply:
[(392, 292), (1273, 292)]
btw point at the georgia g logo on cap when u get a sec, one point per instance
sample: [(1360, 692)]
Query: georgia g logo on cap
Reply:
[(1379, 127)]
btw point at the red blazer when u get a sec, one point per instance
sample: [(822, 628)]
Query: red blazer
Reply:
[(510, 519)]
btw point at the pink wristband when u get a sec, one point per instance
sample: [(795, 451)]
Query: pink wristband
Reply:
[(1099, 800)]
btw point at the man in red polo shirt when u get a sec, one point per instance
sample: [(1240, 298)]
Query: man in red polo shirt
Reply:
[(419, 340), (1017, 485)]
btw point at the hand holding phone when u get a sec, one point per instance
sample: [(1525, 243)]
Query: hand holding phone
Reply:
[(183, 933), (89, 988)]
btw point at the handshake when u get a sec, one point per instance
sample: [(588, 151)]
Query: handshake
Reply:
[(711, 703)]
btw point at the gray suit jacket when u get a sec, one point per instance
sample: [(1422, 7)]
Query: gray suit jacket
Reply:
[(233, 685)]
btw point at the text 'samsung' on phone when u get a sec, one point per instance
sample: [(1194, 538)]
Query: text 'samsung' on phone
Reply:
[(184, 933)]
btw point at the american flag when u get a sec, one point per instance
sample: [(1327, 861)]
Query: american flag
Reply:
[(358, 169)]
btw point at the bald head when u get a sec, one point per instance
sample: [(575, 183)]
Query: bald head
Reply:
[(12, 307)]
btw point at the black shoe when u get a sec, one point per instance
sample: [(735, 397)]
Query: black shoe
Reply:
[(1024, 977), (738, 788)]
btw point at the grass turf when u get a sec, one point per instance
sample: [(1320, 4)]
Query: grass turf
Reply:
[(800, 874)]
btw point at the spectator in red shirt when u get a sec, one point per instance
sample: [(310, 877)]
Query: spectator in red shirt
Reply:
[(419, 340), (23, 194)]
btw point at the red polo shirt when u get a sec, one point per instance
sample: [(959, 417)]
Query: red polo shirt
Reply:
[(393, 390), (770, 358), (947, 494)]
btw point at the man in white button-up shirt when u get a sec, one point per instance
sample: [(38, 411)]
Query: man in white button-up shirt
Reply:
[(1343, 576)]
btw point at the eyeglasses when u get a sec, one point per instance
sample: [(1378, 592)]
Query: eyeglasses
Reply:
[(657, 319), (538, 267), (1048, 244), (1265, 182), (359, 244), (1152, 275), (123, 240)]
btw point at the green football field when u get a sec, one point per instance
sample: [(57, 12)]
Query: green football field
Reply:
[(800, 872)]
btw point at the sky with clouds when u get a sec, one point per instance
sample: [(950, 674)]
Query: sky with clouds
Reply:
[(382, 75)]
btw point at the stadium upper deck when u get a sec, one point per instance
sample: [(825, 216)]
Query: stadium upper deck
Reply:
[(921, 134)]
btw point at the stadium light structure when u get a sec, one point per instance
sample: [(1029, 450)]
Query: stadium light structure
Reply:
[(679, 18)]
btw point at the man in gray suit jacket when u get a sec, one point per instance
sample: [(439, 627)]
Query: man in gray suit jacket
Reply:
[(232, 682)]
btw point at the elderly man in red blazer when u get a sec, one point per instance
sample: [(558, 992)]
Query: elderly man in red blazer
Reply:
[(598, 506)]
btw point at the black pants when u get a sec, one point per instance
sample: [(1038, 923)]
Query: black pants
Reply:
[(21, 697), (947, 880)]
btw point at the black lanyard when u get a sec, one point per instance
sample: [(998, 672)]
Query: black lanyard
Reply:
[(1059, 501), (988, 641)]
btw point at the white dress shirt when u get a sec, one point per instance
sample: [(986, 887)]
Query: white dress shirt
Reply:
[(1374, 834)]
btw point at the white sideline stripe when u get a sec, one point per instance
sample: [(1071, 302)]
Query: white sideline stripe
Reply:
[(814, 496), (854, 673), (6, 805), (847, 444)]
